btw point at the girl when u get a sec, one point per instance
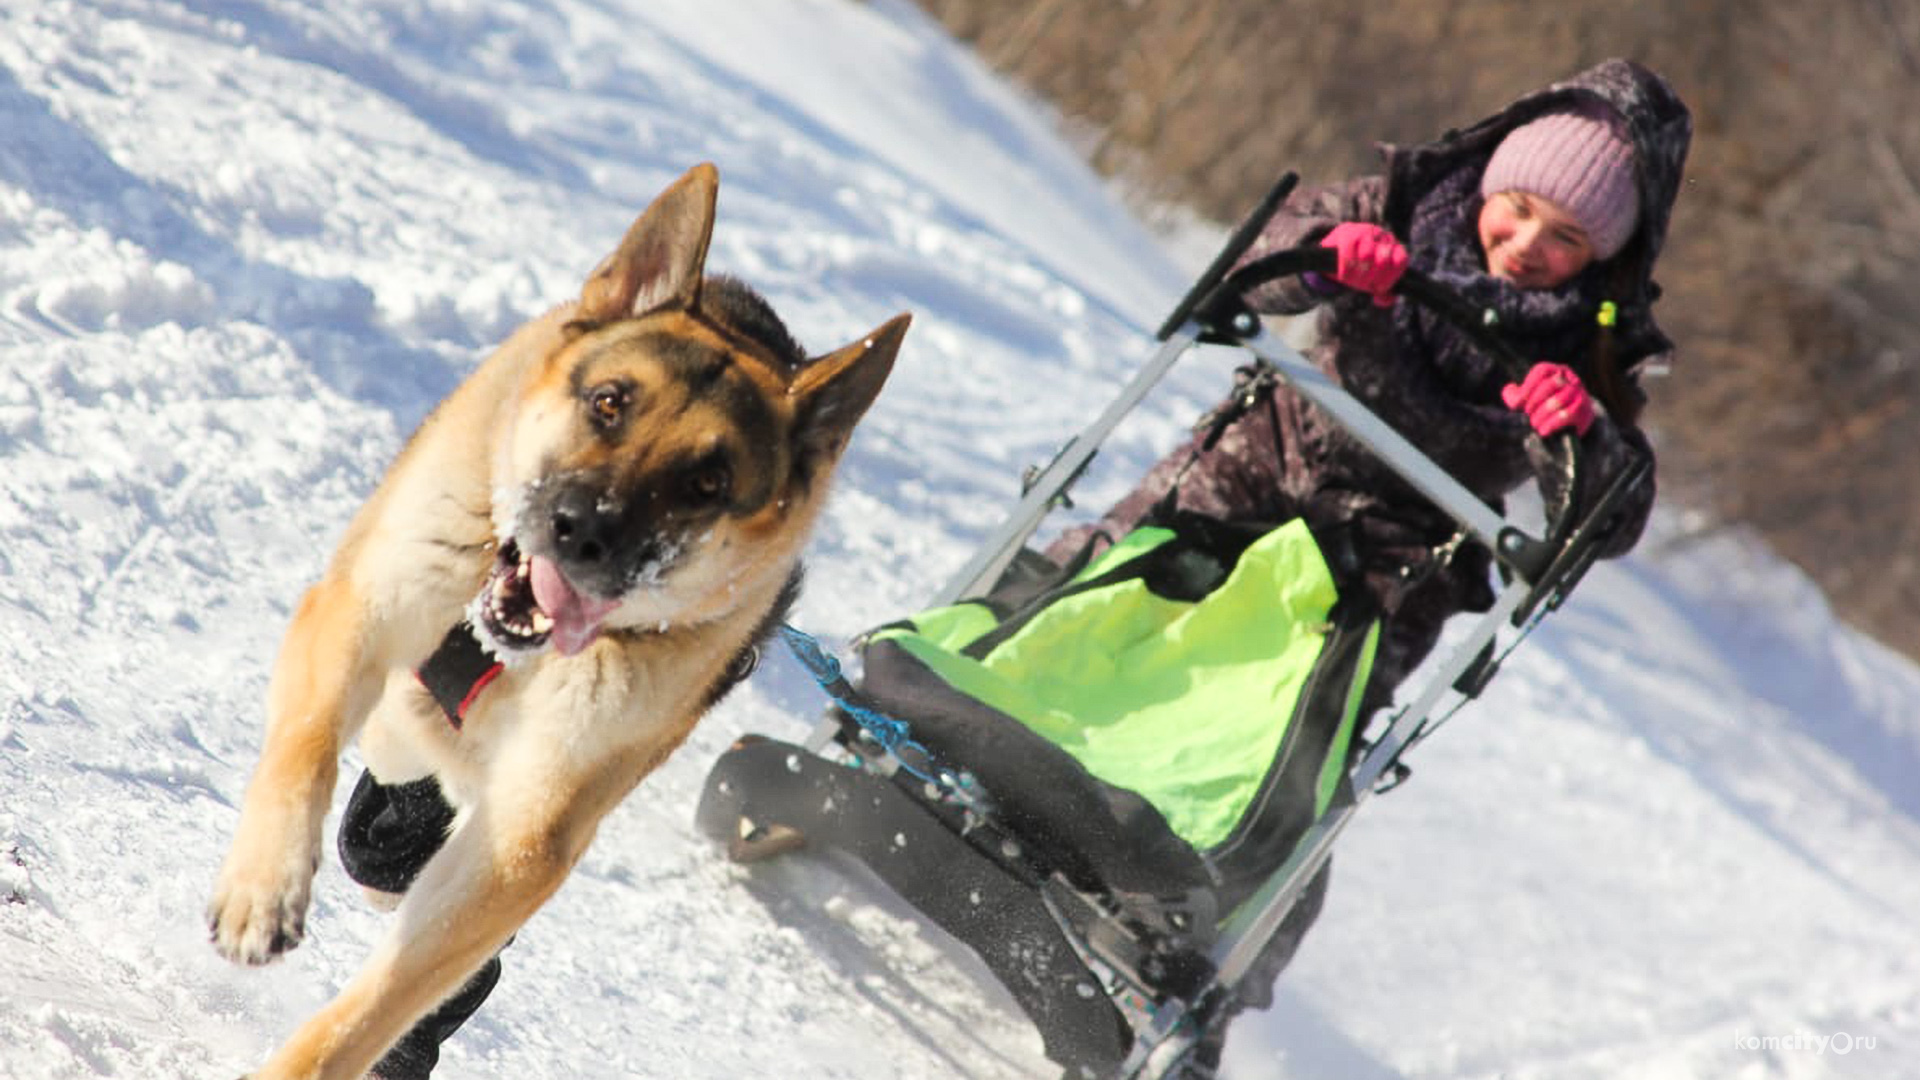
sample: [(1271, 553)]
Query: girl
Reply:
[(1550, 213)]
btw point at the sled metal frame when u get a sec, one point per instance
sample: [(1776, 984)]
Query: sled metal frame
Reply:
[(1546, 569), (1543, 570), (1541, 584)]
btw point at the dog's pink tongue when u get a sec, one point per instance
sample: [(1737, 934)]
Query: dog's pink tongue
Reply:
[(576, 618)]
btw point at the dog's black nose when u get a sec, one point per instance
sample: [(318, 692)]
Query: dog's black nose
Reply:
[(584, 528)]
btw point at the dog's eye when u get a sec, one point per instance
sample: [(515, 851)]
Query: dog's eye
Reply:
[(709, 483), (607, 404)]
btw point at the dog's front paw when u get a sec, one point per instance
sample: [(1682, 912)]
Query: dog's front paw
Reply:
[(259, 906)]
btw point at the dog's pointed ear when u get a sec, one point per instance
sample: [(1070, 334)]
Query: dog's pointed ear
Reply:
[(659, 262), (833, 391)]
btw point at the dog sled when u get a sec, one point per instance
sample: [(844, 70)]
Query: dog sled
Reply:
[(1119, 782)]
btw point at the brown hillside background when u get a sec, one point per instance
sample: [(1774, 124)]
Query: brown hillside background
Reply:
[(1790, 272)]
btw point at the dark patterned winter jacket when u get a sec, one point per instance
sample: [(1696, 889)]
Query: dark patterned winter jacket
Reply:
[(1284, 458)]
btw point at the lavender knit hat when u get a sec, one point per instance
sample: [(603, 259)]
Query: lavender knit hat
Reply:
[(1580, 160)]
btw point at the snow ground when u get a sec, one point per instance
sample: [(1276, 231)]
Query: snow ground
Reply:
[(246, 244)]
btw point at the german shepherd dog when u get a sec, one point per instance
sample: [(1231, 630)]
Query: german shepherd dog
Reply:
[(615, 502)]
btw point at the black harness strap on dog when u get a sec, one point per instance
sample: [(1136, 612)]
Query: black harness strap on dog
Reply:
[(457, 671)]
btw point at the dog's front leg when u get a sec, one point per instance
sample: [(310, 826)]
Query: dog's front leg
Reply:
[(496, 869), (319, 688)]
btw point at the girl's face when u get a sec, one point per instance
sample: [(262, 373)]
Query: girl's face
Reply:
[(1530, 241)]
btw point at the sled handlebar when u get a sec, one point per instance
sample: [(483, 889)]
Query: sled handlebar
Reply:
[(1223, 314), (1478, 325), (1236, 246)]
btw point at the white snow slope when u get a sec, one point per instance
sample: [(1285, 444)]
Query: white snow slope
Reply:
[(246, 244)]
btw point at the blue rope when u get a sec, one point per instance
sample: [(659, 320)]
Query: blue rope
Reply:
[(891, 734)]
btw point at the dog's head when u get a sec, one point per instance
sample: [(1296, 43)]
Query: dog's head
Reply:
[(673, 447)]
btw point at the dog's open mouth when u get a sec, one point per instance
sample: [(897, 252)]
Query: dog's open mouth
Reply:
[(507, 605), (528, 602)]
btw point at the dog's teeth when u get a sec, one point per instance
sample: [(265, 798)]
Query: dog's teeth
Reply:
[(540, 622)]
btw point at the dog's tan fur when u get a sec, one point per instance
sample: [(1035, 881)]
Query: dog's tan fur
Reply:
[(556, 740)]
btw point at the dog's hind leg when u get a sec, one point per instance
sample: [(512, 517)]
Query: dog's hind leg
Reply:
[(387, 835), (418, 1051), (389, 831), (497, 867)]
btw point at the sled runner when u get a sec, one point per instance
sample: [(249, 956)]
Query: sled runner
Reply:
[(1119, 781)]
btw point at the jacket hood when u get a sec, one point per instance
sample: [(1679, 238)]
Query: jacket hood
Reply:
[(1657, 121)]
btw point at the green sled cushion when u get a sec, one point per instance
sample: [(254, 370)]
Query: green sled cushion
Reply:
[(1187, 702)]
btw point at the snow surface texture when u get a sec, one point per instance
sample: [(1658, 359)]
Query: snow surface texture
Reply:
[(246, 244)]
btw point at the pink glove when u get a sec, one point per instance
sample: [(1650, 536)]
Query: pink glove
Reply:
[(1371, 260), (1553, 399)]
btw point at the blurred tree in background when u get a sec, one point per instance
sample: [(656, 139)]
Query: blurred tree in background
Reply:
[(1794, 406)]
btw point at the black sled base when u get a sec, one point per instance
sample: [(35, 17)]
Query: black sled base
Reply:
[(765, 797)]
